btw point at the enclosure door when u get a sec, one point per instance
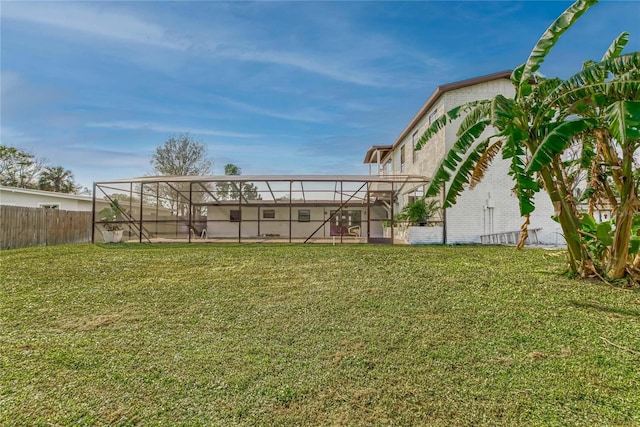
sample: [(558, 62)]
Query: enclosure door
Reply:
[(342, 220)]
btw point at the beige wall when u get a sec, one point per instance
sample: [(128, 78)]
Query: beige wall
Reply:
[(219, 225)]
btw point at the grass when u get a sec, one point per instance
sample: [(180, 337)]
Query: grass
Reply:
[(311, 335)]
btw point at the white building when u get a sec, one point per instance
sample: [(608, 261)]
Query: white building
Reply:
[(489, 213), (12, 196)]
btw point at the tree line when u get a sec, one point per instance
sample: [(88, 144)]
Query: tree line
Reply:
[(19, 168), (178, 156)]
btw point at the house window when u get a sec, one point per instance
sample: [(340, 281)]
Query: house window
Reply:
[(49, 205), (433, 116), (403, 165), (234, 215), (414, 142), (304, 215), (269, 213)]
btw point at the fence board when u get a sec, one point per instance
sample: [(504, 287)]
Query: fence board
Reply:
[(22, 227)]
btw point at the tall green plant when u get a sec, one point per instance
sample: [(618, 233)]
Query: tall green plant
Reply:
[(419, 211), (111, 215), (624, 121), (533, 129)]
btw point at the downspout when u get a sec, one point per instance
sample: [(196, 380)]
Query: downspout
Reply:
[(341, 212), (391, 203), (368, 213), (93, 215), (444, 216), (190, 221), (141, 207), (240, 213)]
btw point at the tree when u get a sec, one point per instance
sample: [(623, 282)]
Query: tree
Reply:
[(19, 168), (58, 179), (230, 191), (22, 169), (181, 156), (535, 127), (250, 191), (231, 169)]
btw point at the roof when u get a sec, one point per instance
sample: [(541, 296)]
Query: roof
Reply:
[(270, 178), (436, 95), (46, 193), (384, 150)]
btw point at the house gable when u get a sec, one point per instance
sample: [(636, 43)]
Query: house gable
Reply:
[(445, 97)]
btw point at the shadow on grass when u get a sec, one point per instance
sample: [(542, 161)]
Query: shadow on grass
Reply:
[(605, 309)]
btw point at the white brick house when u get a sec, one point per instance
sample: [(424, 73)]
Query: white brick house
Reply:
[(490, 208)]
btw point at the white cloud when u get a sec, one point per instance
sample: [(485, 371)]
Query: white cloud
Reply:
[(15, 138), (309, 115), (156, 127), (349, 64), (335, 68), (74, 17)]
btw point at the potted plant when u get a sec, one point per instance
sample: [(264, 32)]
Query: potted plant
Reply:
[(112, 230), (419, 211)]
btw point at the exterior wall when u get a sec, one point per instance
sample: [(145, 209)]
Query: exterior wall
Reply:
[(35, 199), (486, 90), (423, 162), (490, 207), (424, 235), (253, 224)]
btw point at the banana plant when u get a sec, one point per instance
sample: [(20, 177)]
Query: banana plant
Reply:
[(602, 102), (519, 125), (534, 128), (624, 125)]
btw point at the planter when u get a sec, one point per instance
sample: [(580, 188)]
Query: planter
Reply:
[(112, 236)]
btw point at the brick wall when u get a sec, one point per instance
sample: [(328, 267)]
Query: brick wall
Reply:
[(490, 207), (424, 235)]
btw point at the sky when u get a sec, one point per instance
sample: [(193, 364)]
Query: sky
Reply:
[(275, 87)]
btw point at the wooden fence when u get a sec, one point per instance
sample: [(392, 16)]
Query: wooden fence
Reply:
[(21, 227)]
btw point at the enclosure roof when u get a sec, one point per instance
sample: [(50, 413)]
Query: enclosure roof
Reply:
[(270, 178)]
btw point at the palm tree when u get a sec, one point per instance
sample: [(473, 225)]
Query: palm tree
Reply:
[(533, 129), (58, 179)]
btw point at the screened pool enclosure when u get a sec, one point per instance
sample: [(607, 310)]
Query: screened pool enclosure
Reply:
[(243, 208)]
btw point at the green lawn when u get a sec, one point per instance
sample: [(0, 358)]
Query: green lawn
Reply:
[(312, 335)]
